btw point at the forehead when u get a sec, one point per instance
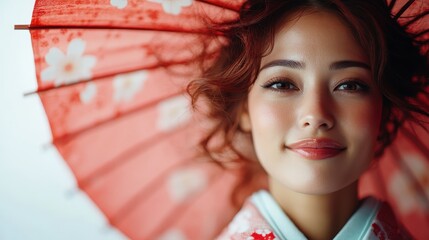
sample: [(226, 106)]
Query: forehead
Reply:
[(313, 33)]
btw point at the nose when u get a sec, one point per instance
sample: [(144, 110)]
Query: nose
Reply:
[(316, 111)]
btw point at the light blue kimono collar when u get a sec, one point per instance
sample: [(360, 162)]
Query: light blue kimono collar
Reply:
[(357, 227)]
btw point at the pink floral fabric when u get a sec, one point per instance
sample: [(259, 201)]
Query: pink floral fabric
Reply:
[(249, 224)]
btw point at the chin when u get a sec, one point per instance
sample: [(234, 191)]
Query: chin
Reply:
[(321, 186)]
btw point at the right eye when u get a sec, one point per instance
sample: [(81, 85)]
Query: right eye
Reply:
[(280, 85)]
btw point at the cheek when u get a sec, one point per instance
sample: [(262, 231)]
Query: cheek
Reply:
[(269, 116), (270, 121), (368, 117), (363, 124)]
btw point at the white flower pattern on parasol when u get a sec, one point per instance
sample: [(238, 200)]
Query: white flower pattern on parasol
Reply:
[(68, 68)]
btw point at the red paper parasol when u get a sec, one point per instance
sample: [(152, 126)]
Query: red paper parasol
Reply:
[(112, 76)]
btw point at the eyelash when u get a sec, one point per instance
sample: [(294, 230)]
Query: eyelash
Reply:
[(358, 85), (270, 85)]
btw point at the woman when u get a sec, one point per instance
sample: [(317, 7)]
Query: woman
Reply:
[(320, 89)]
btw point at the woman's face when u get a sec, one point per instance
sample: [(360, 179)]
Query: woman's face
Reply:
[(314, 111)]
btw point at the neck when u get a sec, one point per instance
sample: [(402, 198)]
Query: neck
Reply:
[(317, 216)]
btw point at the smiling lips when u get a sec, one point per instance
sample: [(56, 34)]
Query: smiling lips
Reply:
[(317, 148)]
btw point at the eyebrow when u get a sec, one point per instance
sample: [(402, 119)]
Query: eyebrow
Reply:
[(285, 63), (348, 64), (301, 65)]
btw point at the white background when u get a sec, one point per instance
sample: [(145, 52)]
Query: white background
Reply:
[(38, 195)]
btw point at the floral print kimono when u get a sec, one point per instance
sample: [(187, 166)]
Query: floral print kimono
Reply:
[(261, 218)]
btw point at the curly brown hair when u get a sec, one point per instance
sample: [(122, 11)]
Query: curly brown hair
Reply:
[(398, 55)]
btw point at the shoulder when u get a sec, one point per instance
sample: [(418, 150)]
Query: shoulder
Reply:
[(248, 224), (386, 226)]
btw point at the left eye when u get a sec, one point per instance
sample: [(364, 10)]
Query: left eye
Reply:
[(352, 86)]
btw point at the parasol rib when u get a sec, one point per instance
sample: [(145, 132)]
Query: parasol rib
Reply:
[(21, 27), (415, 19), (391, 4), (98, 78), (103, 27), (403, 9)]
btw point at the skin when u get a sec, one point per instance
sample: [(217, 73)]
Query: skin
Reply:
[(316, 83)]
